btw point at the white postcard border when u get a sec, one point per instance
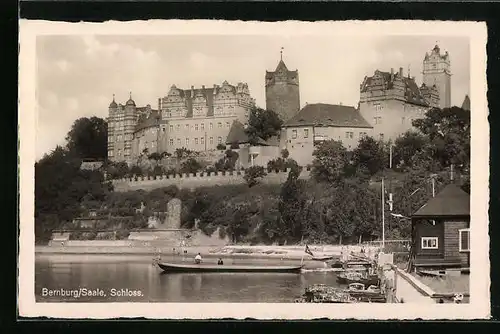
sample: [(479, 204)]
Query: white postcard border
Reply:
[(479, 306)]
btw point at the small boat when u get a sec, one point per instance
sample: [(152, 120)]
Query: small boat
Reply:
[(323, 258), (204, 268), (357, 277)]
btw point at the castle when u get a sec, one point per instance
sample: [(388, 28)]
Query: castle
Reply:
[(206, 119)]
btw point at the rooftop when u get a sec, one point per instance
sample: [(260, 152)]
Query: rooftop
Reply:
[(450, 202), (320, 114)]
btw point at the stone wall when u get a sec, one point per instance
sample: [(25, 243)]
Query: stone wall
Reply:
[(198, 180)]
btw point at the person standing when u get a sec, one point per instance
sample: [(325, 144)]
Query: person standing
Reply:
[(197, 258)]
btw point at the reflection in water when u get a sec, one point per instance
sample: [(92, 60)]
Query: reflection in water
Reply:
[(121, 277)]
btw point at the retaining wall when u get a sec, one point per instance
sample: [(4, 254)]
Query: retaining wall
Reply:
[(191, 181)]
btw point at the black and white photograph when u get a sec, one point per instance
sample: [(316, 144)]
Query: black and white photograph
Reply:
[(207, 169)]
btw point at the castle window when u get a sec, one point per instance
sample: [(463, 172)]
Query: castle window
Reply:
[(187, 141), (377, 106), (362, 134), (377, 120), (294, 134), (196, 127), (227, 124), (219, 125), (163, 129), (178, 142), (119, 138), (219, 140), (202, 140), (119, 152), (202, 126), (171, 142), (187, 127), (127, 151), (381, 136), (196, 141), (306, 133), (349, 135), (178, 127), (211, 140), (211, 126), (110, 153)]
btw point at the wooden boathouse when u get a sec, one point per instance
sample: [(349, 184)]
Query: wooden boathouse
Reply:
[(441, 232)]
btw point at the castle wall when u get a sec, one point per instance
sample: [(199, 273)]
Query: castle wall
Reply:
[(195, 134), (390, 117), (198, 180), (284, 99), (301, 140)]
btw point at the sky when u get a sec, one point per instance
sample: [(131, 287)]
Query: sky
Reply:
[(77, 75)]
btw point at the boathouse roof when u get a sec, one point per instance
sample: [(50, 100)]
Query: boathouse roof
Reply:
[(450, 202)]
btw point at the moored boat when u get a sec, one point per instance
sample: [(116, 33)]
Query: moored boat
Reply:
[(323, 258), (195, 268), (357, 277)]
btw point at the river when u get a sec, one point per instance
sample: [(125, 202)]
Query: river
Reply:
[(129, 278)]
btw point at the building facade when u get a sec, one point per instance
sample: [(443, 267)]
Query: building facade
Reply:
[(194, 119), (437, 71), (282, 91), (390, 102), (320, 122)]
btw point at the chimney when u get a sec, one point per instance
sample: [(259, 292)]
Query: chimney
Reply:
[(192, 91), (215, 89), (159, 104), (392, 71), (401, 72), (203, 87)]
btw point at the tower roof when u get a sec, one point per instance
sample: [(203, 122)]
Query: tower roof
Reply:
[(466, 103), (281, 66), (113, 103), (130, 102)]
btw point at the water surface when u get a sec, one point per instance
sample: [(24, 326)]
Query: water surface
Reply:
[(126, 278)]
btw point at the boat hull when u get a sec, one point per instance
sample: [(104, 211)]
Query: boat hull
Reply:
[(206, 268), (367, 281)]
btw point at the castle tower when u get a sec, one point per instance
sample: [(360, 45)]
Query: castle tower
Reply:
[(437, 72), (112, 112), (121, 123), (282, 91)]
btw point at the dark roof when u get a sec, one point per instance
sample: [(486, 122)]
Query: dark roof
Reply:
[(146, 122), (466, 103), (450, 202), (237, 134), (320, 114), (412, 92), (282, 66)]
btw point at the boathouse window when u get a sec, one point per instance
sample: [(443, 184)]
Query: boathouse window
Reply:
[(429, 243), (306, 133), (464, 236), (294, 134)]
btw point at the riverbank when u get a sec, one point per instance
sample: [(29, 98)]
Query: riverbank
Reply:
[(232, 251)]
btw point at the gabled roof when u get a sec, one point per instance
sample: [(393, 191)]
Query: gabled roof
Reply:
[(282, 67), (237, 134), (320, 114), (152, 120), (466, 103), (412, 92), (450, 202)]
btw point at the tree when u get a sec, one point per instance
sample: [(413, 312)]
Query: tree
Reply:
[(191, 165), (406, 147), (228, 162), (88, 138), (448, 131), (253, 174), (155, 156), (118, 170), (221, 147), (330, 161), (262, 124), (284, 153), (370, 155)]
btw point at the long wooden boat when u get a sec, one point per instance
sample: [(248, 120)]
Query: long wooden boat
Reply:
[(323, 258), (198, 268)]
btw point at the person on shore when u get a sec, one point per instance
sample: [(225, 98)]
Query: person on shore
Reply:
[(220, 262), (197, 258)]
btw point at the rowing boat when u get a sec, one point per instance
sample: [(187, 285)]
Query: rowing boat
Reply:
[(195, 268), (323, 258)]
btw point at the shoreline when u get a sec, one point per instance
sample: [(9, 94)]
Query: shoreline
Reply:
[(232, 251)]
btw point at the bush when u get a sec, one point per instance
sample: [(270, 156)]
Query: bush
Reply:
[(252, 174), (122, 234), (221, 147)]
